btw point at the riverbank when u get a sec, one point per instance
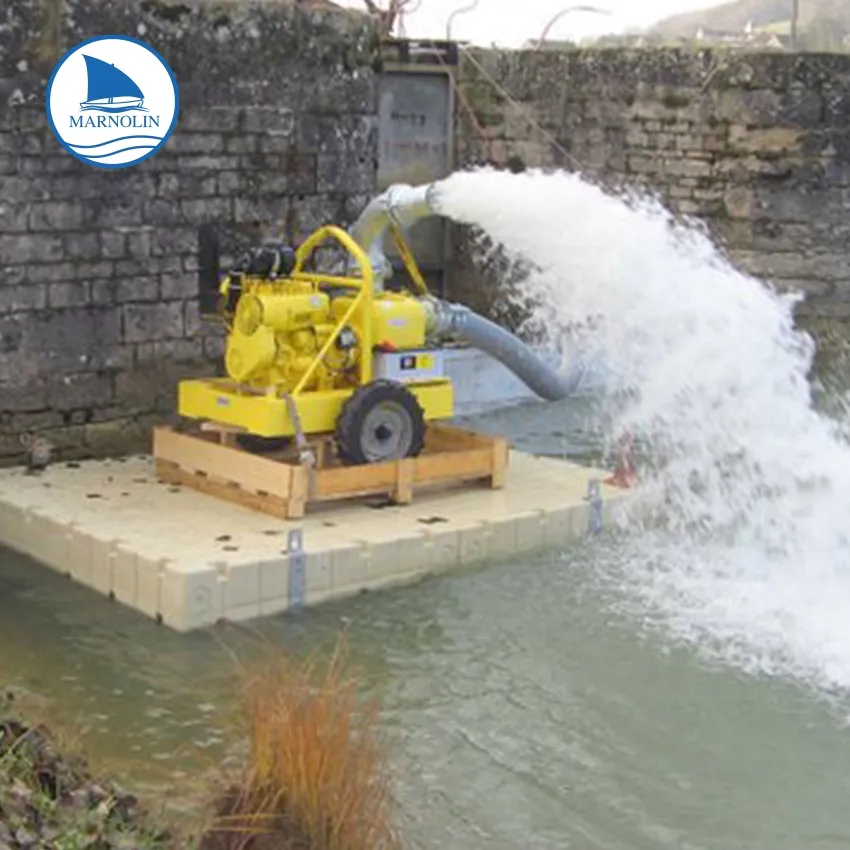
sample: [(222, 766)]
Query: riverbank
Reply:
[(50, 798), (315, 777)]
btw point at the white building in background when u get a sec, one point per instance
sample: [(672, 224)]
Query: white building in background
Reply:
[(748, 37)]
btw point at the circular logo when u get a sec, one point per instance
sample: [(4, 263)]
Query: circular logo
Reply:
[(112, 101)]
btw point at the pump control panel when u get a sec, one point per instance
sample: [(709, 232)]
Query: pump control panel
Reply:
[(412, 365)]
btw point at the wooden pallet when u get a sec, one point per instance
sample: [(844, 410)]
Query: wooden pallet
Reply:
[(278, 484)]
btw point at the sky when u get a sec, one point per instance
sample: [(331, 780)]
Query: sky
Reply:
[(509, 23)]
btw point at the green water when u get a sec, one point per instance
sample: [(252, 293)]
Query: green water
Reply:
[(522, 710)]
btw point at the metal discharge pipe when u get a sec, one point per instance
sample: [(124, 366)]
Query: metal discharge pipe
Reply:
[(400, 204), (405, 205)]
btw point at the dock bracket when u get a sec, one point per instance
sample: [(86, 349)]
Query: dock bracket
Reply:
[(297, 568), (595, 506)]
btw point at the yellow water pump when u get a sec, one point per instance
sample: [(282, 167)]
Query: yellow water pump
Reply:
[(319, 353)]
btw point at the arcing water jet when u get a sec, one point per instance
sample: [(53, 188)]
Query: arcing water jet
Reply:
[(750, 559)]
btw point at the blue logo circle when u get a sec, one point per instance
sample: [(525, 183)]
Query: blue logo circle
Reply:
[(112, 101)]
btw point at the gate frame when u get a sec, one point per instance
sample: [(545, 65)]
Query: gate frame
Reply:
[(426, 57)]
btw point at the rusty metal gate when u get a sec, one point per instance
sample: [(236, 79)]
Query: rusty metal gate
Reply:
[(416, 139)]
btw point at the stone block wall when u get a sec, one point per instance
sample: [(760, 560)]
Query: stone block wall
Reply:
[(99, 287), (756, 145)]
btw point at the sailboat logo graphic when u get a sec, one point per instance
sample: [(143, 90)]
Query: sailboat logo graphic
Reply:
[(109, 89), (112, 101)]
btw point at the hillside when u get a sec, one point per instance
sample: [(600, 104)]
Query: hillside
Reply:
[(734, 16)]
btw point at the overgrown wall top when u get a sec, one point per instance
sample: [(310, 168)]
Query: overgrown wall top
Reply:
[(758, 145), (98, 268)]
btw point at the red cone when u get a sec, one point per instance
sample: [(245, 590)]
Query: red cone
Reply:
[(624, 473)]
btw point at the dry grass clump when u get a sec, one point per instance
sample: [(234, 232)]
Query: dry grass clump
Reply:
[(317, 776)]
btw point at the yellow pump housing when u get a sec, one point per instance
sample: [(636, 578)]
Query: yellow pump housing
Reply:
[(301, 346)]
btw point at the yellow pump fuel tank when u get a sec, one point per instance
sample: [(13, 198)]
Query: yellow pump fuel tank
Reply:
[(397, 320)]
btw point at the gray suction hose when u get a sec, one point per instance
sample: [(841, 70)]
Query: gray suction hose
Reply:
[(405, 205), (463, 325)]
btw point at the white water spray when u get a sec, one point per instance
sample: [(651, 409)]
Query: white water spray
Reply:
[(748, 553)]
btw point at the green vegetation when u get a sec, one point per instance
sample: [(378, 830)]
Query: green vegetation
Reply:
[(49, 799), (776, 28)]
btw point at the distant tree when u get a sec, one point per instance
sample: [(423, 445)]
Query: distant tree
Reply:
[(387, 17)]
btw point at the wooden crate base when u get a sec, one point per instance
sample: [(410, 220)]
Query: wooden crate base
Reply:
[(278, 484)]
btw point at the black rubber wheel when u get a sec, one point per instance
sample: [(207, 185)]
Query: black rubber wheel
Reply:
[(381, 421)]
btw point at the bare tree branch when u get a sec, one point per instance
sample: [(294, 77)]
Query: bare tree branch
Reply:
[(388, 17)]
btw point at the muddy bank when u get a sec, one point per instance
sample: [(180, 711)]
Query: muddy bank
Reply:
[(49, 798)]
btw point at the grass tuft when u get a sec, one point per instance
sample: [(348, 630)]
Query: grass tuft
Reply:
[(317, 774)]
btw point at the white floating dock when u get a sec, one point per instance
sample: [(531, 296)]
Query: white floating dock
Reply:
[(189, 560)]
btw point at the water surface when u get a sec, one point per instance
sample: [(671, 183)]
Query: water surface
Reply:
[(525, 706)]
